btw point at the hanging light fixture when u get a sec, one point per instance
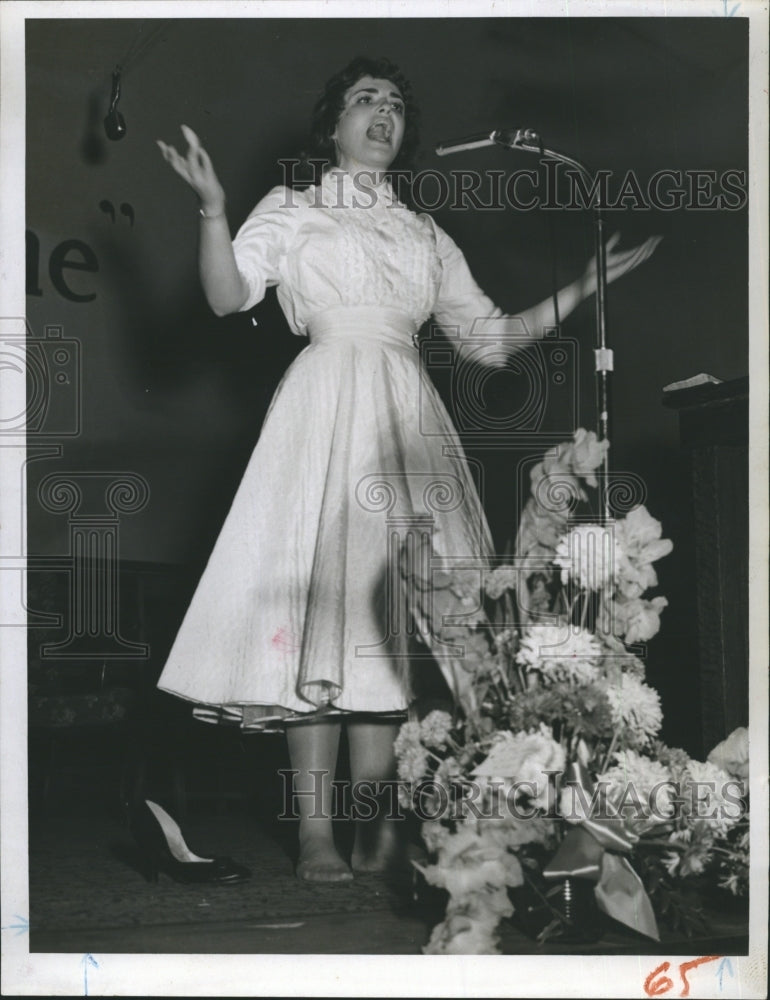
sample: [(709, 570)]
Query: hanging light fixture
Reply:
[(114, 122)]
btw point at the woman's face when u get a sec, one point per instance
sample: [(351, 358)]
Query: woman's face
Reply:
[(370, 128)]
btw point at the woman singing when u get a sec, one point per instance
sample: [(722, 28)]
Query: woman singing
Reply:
[(291, 624)]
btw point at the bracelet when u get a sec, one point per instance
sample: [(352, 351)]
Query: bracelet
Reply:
[(217, 216)]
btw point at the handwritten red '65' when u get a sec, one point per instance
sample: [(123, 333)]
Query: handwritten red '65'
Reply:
[(658, 983)]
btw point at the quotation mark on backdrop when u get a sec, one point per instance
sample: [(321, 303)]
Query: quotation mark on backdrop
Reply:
[(109, 209)]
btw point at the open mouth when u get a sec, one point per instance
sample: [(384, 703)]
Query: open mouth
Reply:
[(380, 132)]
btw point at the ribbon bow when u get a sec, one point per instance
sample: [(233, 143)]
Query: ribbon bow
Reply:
[(591, 851)]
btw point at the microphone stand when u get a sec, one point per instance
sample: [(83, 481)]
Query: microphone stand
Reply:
[(529, 141)]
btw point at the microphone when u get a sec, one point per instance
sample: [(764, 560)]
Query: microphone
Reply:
[(498, 137)]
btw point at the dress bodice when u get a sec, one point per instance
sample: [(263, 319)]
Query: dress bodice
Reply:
[(338, 244)]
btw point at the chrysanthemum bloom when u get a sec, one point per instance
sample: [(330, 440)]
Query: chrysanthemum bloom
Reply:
[(448, 775), (560, 653), (411, 755), (589, 555), (713, 799), (408, 736), (435, 728), (635, 707), (412, 764), (641, 788)]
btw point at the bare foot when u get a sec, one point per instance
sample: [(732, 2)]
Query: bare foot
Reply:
[(320, 862), (378, 848)]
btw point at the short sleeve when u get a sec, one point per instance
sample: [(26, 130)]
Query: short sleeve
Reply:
[(460, 301), (261, 242)]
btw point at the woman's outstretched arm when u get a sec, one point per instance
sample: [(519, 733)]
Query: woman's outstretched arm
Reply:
[(222, 282), (541, 317), (481, 331)]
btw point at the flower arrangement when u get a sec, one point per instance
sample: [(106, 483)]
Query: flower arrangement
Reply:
[(550, 767)]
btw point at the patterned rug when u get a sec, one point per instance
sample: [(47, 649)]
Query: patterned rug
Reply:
[(85, 872)]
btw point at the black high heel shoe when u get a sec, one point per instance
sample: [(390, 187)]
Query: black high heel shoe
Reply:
[(164, 850)]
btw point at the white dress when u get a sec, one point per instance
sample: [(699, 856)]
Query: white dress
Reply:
[(294, 612)]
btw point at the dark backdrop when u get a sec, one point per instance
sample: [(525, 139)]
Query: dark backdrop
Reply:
[(178, 396)]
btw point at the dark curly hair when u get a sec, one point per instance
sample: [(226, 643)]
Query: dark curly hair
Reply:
[(327, 112)]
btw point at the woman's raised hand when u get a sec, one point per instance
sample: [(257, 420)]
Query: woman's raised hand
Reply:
[(195, 168), (620, 262)]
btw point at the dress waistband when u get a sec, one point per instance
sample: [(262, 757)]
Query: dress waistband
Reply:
[(364, 323)]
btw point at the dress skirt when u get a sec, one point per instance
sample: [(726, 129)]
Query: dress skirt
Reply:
[(295, 612)]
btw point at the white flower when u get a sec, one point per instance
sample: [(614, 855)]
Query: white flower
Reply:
[(480, 872), (732, 754), (639, 534), (637, 620), (412, 764), (464, 934), (524, 757), (590, 555), (435, 728), (475, 866), (635, 706), (632, 580), (448, 773), (730, 882), (694, 863), (466, 586), (499, 580), (641, 788), (706, 801), (554, 487), (408, 737), (587, 454), (623, 662), (505, 639), (560, 653), (671, 861), (411, 754), (435, 834), (539, 532), (458, 844), (405, 795), (579, 457)]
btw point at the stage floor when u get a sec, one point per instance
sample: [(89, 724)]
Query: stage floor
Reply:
[(87, 894)]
